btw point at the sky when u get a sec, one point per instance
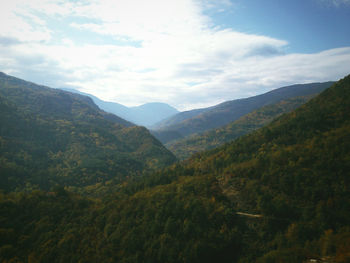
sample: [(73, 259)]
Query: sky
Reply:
[(187, 53)]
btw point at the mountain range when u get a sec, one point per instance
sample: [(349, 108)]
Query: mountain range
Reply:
[(145, 115), (184, 124), (214, 138), (278, 194)]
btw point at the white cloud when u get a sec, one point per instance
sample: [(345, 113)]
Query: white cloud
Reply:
[(339, 2), (17, 23), (160, 51), (336, 3)]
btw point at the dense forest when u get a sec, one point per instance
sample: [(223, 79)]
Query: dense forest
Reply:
[(188, 146), (278, 194), (295, 173), (51, 137), (195, 121)]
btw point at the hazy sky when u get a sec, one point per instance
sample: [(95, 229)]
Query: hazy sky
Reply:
[(188, 53)]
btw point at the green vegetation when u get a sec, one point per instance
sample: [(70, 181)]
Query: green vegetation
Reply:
[(187, 123), (50, 137), (185, 220), (295, 172), (278, 194), (188, 146)]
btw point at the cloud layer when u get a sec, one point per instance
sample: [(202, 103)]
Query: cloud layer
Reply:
[(136, 51)]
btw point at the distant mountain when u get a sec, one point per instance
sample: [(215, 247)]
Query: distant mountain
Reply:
[(178, 118), (185, 124), (49, 136), (186, 147), (146, 115), (150, 113)]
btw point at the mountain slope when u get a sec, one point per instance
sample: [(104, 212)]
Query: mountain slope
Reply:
[(111, 107), (230, 111), (178, 118), (291, 143), (214, 138), (49, 137), (294, 172), (180, 221), (146, 115)]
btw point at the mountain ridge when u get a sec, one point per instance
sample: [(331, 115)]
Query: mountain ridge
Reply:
[(49, 136), (145, 115), (210, 139), (226, 112)]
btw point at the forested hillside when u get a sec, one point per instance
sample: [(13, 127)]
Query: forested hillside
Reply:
[(188, 146), (279, 194), (179, 220), (50, 137), (296, 173), (198, 121)]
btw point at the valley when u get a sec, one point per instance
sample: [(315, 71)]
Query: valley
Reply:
[(191, 131), (79, 184)]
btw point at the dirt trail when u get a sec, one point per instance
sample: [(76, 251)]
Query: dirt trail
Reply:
[(249, 215)]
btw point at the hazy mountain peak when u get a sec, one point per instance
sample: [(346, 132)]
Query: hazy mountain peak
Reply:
[(146, 114)]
